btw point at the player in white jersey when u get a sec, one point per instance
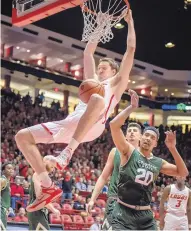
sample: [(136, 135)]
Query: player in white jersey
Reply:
[(178, 210), (86, 123)]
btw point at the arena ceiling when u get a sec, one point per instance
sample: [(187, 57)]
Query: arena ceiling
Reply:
[(157, 22)]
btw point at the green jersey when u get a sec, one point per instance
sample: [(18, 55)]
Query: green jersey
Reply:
[(137, 177), (6, 195), (112, 192)]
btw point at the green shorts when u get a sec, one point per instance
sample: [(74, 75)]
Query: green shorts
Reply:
[(125, 218), (4, 217), (39, 217), (108, 214)]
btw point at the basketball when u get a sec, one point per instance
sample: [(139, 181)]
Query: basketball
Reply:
[(90, 87)]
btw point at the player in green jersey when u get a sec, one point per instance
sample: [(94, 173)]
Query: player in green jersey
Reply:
[(39, 218), (133, 135), (8, 172), (138, 171)]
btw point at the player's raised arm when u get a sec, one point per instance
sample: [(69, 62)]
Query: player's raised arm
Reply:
[(164, 198), (102, 180), (121, 79), (124, 147), (189, 210), (89, 62), (179, 169)]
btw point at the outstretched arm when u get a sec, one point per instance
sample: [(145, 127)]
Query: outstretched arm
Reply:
[(89, 62), (164, 198), (124, 147), (180, 168), (102, 180), (120, 81)]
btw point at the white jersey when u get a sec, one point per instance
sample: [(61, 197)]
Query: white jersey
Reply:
[(177, 201), (110, 103)]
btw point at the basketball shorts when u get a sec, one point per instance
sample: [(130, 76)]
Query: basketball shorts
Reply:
[(45, 132), (125, 218), (4, 216), (108, 213), (175, 222), (38, 219)]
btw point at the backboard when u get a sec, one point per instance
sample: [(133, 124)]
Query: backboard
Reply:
[(25, 12)]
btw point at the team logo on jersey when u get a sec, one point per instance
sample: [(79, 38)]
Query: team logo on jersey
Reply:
[(178, 196)]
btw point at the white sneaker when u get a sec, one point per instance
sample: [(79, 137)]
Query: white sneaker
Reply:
[(63, 159)]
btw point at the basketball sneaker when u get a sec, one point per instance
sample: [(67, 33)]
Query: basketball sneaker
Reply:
[(62, 160), (47, 196)]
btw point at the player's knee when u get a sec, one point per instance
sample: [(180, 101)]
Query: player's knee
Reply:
[(24, 136), (97, 101)]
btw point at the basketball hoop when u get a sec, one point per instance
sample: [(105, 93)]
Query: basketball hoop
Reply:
[(99, 18)]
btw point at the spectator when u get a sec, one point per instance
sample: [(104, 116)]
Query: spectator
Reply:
[(80, 185), (17, 192), (90, 187), (67, 183), (23, 168), (96, 225), (79, 204), (21, 216)]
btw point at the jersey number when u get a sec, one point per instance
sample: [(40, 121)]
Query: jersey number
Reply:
[(178, 203), (144, 177)]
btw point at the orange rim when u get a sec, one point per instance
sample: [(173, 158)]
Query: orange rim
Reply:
[(86, 9)]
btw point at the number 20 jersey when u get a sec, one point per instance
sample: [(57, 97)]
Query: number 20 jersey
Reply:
[(177, 200), (137, 177)]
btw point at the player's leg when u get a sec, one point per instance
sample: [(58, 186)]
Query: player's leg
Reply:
[(36, 218), (26, 141), (95, 106), (27, 145)]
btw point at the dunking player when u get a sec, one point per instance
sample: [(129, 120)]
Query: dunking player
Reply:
[(40, 218), (86, 123), (178, 213), (8, 172), (133, 135), (138, 171)]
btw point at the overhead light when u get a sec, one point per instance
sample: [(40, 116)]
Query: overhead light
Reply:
[(119, 26), (151, 92), (18, 61), (39, 62), (61, 60), (129, 81), (18, 48), (172, 93), (133, 82), (77, 73), (142, 91), (28, 50), (169, 45), (189, 91), (166, 89)]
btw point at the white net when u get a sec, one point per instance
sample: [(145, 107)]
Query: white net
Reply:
[(99, 18)]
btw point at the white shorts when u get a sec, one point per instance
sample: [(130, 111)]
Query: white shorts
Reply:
[(45, 132), (175, 222)]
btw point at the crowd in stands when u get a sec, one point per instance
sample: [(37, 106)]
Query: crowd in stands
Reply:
[(86, 165)]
